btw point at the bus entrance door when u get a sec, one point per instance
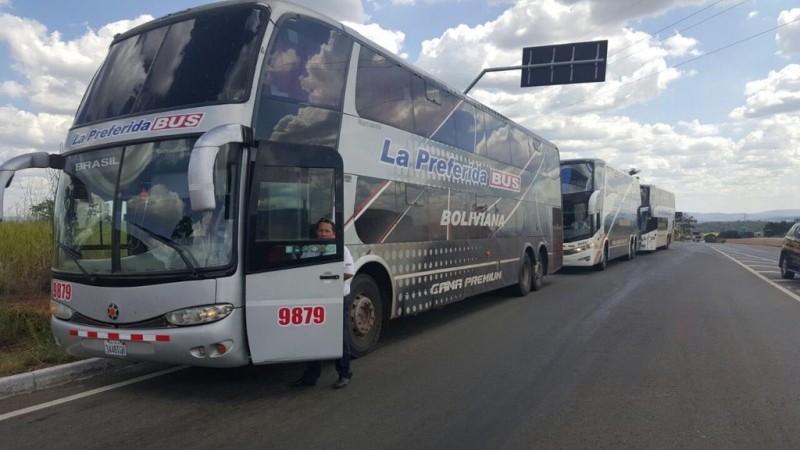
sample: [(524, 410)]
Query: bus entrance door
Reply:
[(294, 282)]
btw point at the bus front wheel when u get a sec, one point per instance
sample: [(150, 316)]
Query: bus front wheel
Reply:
[(366, 315), (603, 260)]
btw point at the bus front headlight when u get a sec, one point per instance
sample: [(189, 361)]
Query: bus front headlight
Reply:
[(60, 310), (199, 314)]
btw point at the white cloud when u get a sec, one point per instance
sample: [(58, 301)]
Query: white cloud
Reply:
[(388, 39), (752, 15), (56, 71), (618, 12), (23, 129), (12, 89), (778, 93), (678, 45), (341, 10), (788, 37), (696, 128), (23, 132)]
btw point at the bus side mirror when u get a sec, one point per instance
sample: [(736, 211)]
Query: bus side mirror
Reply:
[(595, 203), (40, 160), (202, 194)]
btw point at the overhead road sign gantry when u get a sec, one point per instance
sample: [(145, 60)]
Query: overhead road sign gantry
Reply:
[(580, 62)]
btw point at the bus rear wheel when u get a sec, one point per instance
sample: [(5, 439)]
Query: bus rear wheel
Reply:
[(366, 315), (524, 282), (538, 274)]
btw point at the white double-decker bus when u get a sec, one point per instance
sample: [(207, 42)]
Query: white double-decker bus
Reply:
[(211, 141), (601, 206), (656, 218)]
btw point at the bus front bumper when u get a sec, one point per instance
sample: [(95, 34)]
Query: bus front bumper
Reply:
[(218, 344), (584, 258)]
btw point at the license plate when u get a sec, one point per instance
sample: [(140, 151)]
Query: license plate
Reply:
[(116, 348)]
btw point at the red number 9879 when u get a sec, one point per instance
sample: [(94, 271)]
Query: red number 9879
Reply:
[(301, 315)]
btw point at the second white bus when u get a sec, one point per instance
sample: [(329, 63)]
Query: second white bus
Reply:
[(600, 213)]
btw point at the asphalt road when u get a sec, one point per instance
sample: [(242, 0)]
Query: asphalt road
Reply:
[(684, 348)]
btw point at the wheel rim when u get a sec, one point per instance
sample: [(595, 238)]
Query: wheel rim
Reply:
[(783, 266), (363, 314)]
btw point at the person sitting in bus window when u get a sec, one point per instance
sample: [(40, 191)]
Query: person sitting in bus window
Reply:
[(322, 230), (326, 229)]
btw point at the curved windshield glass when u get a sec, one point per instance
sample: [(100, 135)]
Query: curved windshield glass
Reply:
[(126, 210), (577, 178), (578, 224)]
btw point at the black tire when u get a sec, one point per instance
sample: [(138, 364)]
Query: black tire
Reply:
[(786, 274), (632, 250), (669, 239), (603, 260), (365, 318), (524, 279), (538, 274)]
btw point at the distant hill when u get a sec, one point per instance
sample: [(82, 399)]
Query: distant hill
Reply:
[(774, 216)]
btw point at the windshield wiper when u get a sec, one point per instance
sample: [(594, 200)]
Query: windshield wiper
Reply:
[(187, 258), (72, 253)]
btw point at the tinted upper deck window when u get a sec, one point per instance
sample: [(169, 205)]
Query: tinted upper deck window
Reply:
[(205, 58)]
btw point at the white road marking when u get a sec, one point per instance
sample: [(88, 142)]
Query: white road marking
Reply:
[(775, 285), (70, 398)]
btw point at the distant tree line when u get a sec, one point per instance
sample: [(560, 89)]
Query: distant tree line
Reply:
[(686, 226), (778, 229)]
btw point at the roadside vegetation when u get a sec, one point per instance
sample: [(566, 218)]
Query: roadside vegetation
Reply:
[(26, 254), (688, 228)]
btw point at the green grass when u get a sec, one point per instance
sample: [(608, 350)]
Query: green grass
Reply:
[(26, 342), (26, 255)]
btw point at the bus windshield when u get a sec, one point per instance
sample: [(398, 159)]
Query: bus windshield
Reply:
[(206, 58), (577, 178), (577, 185), (578, 224), (126, 210)]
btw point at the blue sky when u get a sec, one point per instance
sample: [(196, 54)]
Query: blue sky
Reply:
[(722, 131)]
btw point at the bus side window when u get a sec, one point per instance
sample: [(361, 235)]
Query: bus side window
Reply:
[(307, 63), (465, 127), (383, 91)]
